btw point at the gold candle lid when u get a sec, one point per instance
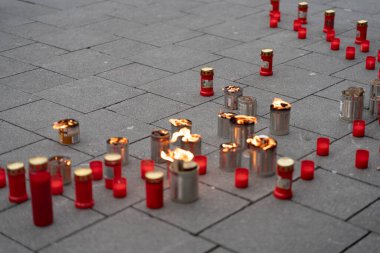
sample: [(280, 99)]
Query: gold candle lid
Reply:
[(112, 157), (362, 22), (285, 164), (302, 4), (267, 52), (154, 176), (15, 168), (38, 163), (207, 71), (329, 12), (83, 174)]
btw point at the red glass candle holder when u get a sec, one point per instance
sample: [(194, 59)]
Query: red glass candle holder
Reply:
[(112, 163), (370, 62), (285, 168), (276, 15), (3, 180), (146, 166), (350, 53), (273, 23), (361, 31), (335, 44), (56, 185), (329, 21), (296, 25), (330, 35), (302, 32), (307, 169), (358, 128), (275, 6), (266, 68), (97, 170), (201, 160), (120, 187), (323, 146), (364, 46), (241, 177), (207, 82), (361, 159), (154, 185), (302, 12), (16, 181), (83, 188)]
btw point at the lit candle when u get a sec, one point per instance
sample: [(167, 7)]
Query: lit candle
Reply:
[(273, 23), (302, 31), (378, 55), (201, 160), (330, 35), (112, 162), (370, 62), (275, 12), (361, 31), (285, 168), (3, 181), (154, 185), (358, 128), (350, 53), (296, 25), (146, 166), (323, 146), (307, 169), (241, 177), (97, 170), (329, 21), (302, 12), (120, 187), (83, 188), (361, 160), (276, 15), (335, 43), (56, 185), (16, 181), (364, 46)]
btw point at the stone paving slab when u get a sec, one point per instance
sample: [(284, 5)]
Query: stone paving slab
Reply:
[(368, 218), (9, 20), (11, 246), (372, 130), (25, 9), (10, 67), (32, 30), (208, 43), (11, 98), (194, 22), (358, 73), (369, 244), (8, 41)]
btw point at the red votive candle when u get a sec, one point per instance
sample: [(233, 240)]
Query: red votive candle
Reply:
[(120, 187), (275, 9), (307, 169), (201, 160), (241, 177), (276, 15), (56, 184), (335, 44), (358, 128), (112, 164), (330, 35), (329, 21), (16, 181), (285, 168), (361, 31), (302, 31), (83, 188), (378, 55), (40, 188), (361, 160), (302, 12), (370, 62), (3, 181), (97, 170), (273, 23), (323, 146), (154, 185), (296, 25), (266, 68), (146, 166), (350, 53), (364, 46), (207, 82)]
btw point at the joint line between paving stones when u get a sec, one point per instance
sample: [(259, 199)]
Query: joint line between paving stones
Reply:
[(362, 209), (19, 243), (30, 102), (355, 242)]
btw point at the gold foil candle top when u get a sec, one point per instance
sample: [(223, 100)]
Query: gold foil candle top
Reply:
[(353, 92), (285, 164), (303, 4), (117, 140), (180, 122), (228, 147), (329, 12), (177, 154), (207, 71), (112, 157), (279, 104), (262, 141), (226, 115), (83, 174), (267, 52), (38, 163), (243, 120), (154, 176), (362, 22), (65, 123), (15, 168)]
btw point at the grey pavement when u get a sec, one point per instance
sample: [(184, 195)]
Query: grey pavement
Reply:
[(125, 67)]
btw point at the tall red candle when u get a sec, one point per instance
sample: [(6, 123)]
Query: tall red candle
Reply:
[(112, 164), (370, 62), (302, 12), (296, 25), (330, 35), (154, 183), (16, 181), (285, 168), (364, 47), (335, 44), (97, 170), (307, 169), (146, 166), (302, 33), (241, 177), (201, 160), (42, 203), (350, 53), (358, 128), (361, 159), (120, 187), (3, 181), (267, 62), (207, 82), (329, 21), (275, 12), (361, 31), (83, 188), (323, 146)]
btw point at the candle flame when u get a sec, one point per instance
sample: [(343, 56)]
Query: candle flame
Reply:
[(226, 147), (262, 141), (61, 124), (180, 122), (280, 104), (244, 119), (177, 154), (226, 115), (186, 136), (232, 88), (117, 140)]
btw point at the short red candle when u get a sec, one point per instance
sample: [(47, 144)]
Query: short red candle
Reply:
[(285, 168), (112, 163), (146, 166), (323, 146), (350, 53), (275, 15), (358, 128), (361, 160), (207, 82), (56, 185), (16, 181), (120, 187), (3, 181), (154, 185), (83, 188), (307, 169), (296, 25), (241, 177), (97, 170), (370, 62), (302, 31), (330, 35), (364, 46), (335, 44), (273, 23), (201, 160)]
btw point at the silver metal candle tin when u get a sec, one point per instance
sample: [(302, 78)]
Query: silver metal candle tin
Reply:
[(192, 144), (263, 152), (61, 165), (224, 124), (374, 106), (68, 131), (375, 88), (184, 181), (242, 128), (231, 95), (229, 157), (176, 125), (279, 117), (352, 103), (119, 145), (247, 105), (159, 141)]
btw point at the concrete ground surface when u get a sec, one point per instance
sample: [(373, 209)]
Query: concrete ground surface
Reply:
[(124, 67)]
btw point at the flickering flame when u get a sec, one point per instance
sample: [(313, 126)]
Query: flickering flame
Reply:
[(180, 122), (117, 140), (232, 88), (353, 91), (177, 154), (244, 119), (191, 138), (186, 136), (280, 104), (262, 141), (226, 115), (64, 123), (226, 147)]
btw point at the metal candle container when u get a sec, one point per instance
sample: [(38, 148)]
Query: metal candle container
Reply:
[(263, 152), (329, 21), (60, 165), (229, 157), (302, 12), (266, 68), (224, 124), (375, 88), (361, 31), (119, 145), (184, 181), (159, 141), (177, 124), (207, 79), (192, 143), (247, 105), (231, 95), (242, 128), (352, 103), (68, 131), (279, 117)]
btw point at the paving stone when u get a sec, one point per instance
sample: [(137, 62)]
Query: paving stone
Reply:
[(369, 244), (35, 80), (4, 201), (89, 94), (98, 126), (371, 6), (8, 41), (342, 159), (33, 30), (181, 5), (11, 246), (10, 98), (220, 250), (325, 193), (113, 25), (358, 73), (10, 67), (208, 43), (248, 2), (38, 114), (82, 63), (67, 4), (67, 219), (131, 228), (123, 48), (290, 38), (9, 20), (134, 74), (291, 7), (372, 130), (368, 218), (265, 219), (25, 9), (287, 80), (194, 22)]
